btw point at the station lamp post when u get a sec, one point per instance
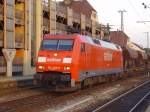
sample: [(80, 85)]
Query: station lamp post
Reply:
[(147, 34)]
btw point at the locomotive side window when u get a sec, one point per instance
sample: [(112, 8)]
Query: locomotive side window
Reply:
[(82, 47), (96, 42), (65, 45), (57, 44)]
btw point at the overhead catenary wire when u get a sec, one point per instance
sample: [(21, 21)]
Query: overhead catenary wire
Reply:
[(135, 10), (137, 13)]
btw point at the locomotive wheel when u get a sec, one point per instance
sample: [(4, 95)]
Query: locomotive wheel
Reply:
[(37, 82), (79, 86)]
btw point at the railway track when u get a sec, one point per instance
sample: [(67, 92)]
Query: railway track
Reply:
[(131, 101), (35, 102), (31, 96), (21, 104), (23, 93), (142, 104)]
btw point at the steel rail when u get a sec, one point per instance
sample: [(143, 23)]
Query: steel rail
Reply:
[(115, 99), (139, 102)]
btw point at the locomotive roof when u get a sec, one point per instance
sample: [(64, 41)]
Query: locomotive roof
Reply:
[(101, 43), (89, 40)]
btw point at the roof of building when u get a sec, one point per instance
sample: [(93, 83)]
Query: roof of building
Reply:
[(119, 32), (119, 37), (81, 6), (135, 46)]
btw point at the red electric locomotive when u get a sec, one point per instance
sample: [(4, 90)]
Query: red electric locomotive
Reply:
[(75, 60)]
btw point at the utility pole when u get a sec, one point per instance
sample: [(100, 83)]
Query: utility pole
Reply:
[(147, 34), (122, 20)]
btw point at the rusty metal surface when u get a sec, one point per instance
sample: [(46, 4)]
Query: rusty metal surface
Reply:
[(133, 53)]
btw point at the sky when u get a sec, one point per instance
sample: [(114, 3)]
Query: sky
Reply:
[(107, 11)]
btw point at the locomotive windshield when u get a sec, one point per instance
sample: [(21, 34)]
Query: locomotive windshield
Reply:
[(57, 44)]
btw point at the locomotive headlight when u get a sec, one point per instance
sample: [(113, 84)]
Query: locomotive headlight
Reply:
[(41, 59), (66, 68), (41, 67), (67, 60)]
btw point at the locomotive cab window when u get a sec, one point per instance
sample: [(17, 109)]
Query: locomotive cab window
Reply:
[(65, 45), (49, 44), (82, 47), (57, 44)]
